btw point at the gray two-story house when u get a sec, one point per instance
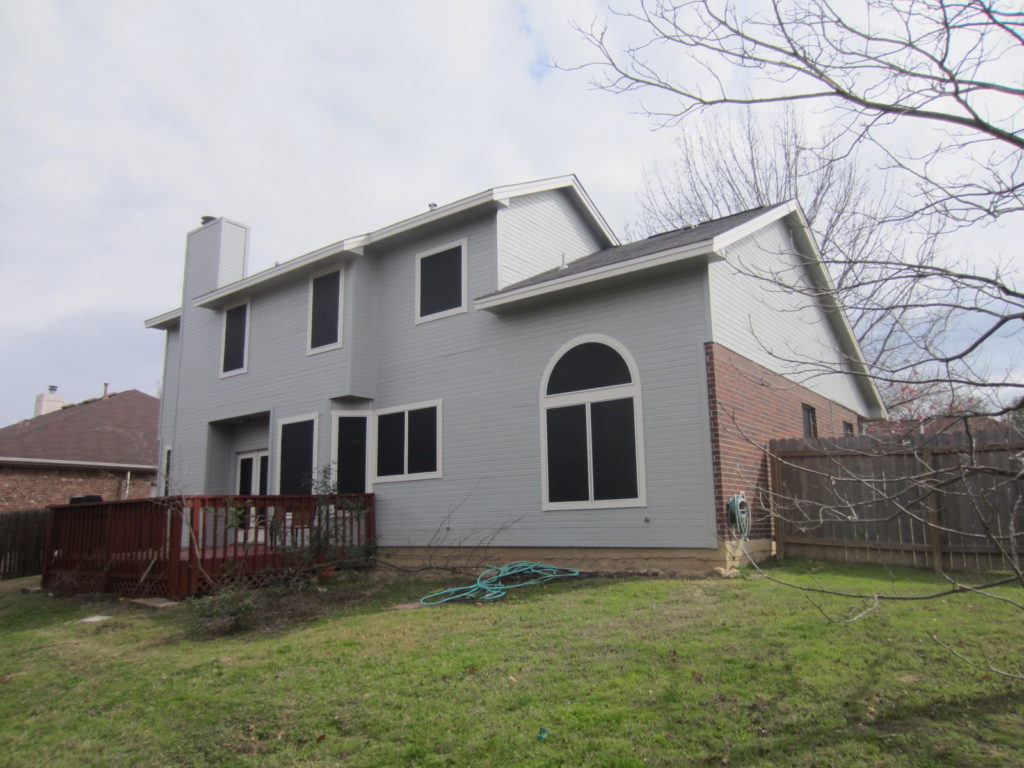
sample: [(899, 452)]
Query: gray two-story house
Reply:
[(501, 372)]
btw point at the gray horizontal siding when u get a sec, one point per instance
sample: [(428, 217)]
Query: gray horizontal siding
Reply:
[(487, 371), (780, 329), (537, 233)]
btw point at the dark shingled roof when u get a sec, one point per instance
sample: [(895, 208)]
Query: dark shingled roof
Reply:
[(665, 241), (118, 429)]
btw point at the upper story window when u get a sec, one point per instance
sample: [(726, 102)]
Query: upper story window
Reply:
[(325, 307), (591, 432), (409, 442), (441, 282), (234, 358)]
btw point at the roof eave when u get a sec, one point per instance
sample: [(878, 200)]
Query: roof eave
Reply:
[(76, 464), (496, 302), (166, 321)]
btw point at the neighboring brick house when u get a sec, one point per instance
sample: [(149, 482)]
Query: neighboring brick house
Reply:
[(105, 447), (500, 370)]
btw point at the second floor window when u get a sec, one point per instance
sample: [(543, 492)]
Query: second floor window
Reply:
[(325, 311), (441, 282), (236, 336)]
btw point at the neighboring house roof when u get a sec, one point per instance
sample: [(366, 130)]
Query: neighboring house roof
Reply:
[(118, 431), (352, 246)]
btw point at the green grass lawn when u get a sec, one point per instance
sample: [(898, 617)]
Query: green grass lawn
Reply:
[(631, 672)]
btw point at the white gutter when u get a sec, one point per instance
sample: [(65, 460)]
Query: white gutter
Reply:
[(21, 461), (675, 255)]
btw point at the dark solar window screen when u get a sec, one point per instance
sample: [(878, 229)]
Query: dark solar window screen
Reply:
[(323, 330), (297, 457), (441, 281), (588, 366), (568, 476), (614, 445), (235, 320), (352, 454), (423, 440), (391, 444)]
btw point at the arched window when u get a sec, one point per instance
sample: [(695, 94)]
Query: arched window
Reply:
[(591, 427)]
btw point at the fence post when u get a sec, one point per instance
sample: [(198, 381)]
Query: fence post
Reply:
[(777, 527), (934, 514)]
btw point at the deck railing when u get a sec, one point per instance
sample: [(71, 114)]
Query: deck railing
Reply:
[(180, 545)]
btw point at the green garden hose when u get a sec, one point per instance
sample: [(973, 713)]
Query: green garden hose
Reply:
[(495, 582)]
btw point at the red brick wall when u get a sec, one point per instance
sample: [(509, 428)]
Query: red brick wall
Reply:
[(750, 405), (38, 487)]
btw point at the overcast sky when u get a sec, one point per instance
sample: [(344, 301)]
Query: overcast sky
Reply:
[(124, 122)]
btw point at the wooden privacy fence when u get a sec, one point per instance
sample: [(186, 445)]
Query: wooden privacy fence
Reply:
[(22, 535), (949, 501), (178, 546)]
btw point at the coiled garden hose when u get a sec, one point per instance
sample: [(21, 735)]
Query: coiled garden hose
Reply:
[(494, 582)]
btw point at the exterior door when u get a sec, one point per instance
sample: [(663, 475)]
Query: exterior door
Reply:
[(253, 471)]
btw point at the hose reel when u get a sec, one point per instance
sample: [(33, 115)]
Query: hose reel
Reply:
[(738, 515)]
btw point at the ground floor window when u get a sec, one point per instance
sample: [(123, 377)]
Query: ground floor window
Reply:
[(409, 442), (593, 452)]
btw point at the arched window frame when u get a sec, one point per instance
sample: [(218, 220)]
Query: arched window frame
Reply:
[(588, 397)]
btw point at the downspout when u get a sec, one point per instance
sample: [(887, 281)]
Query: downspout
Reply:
[(127, 483)]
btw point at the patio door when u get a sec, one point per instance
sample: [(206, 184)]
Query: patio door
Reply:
[(253, 472), (351, 444)]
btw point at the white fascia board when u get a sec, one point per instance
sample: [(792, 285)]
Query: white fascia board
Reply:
[(675, 255), (847, 339), (747, 228), (572, 184), (345, 248), (354, 246), (165, 321), (67, 464)]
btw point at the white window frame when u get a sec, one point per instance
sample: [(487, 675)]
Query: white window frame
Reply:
[(587, 397), (276, 456), (371, 444), (463, 246), (310, 349), (224, 339), (439, 437), (255, 455)]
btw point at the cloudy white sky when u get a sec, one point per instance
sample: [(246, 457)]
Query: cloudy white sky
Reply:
[(123, 122)]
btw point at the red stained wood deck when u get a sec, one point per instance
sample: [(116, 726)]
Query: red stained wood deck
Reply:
[(178, 546)]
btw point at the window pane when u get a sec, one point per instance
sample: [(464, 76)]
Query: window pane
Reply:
[(391, 444), (810, 421), (324, 320), (613, 437), (588, 366), (352, 454), (441, 281), (234, 338), (567, 454), (423, 440), (245, 468), (297, 457)]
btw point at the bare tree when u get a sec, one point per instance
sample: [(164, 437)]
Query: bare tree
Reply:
[(932, 91), (951, 67)]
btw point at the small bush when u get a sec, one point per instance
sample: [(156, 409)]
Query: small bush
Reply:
[(228, 610)]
